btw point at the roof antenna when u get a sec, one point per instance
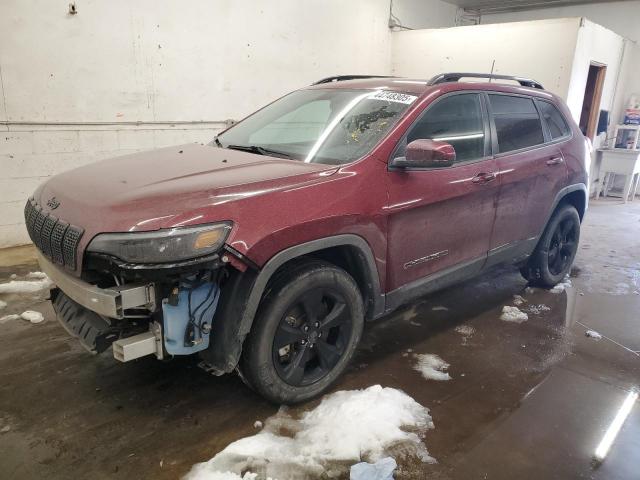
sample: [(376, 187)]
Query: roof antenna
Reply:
[(493, 64)]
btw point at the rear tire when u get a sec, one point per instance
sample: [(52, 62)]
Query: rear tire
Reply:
[(553, 257), (306, 331)]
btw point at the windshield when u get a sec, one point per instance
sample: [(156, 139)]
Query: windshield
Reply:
[(329, 126)]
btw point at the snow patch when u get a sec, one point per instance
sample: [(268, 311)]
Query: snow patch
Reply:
[(593, 334), (431, 366), (8, 318), (347, 427), (538, 309), (518, 300), (410, 314), (257, 424), (465, 330), (513, 314), (26, 286), (561, 286), (230, 476), (37, 275), (440, 308), (32, 316), (3, 304)]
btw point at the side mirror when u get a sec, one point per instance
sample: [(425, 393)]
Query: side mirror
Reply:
[(424, 153)]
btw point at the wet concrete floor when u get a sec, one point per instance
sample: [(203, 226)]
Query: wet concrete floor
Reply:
[(526, 401)]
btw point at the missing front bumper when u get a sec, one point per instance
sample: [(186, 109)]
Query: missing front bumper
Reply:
[(110, 302), (94, 332)]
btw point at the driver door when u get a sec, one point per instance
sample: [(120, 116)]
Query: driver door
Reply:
[(440, 220)]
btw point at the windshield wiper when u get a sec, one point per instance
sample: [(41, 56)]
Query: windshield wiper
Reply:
[(259, 150)]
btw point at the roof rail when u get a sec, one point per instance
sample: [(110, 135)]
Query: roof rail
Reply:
[(454, 77), (340, 78)]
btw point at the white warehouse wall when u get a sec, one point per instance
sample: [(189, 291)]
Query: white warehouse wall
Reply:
[(122, 76), (619, 17), (600, 45), (549, 60), (559, 58), (425, 13)]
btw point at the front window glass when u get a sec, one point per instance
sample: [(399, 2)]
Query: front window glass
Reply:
[(331, 126), (456, 120)]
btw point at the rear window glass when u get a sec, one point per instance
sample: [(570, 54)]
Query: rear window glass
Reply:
[(555, 121), (517, 122)]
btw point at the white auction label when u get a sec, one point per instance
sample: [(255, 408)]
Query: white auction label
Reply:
[(393, 97)]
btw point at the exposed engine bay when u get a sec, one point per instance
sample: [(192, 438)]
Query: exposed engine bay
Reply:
[(154, 312)]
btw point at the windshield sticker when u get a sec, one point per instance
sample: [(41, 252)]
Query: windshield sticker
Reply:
[(393, 97)]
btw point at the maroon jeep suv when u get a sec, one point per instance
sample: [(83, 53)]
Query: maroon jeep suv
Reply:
[(267, 251)]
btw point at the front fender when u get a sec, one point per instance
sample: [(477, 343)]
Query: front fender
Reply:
[(242, 293)]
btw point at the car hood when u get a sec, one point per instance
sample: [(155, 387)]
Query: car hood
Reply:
[(175, 186)]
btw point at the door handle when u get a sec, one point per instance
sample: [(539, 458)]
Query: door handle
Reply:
[(555, 161), (484, 177)]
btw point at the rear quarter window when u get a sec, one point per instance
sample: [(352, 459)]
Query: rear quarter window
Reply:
[(556, 123), (517, 122)]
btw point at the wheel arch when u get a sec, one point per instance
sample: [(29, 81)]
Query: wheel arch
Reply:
[(575, 195), (347, 251), (240, 300), (577, 198)]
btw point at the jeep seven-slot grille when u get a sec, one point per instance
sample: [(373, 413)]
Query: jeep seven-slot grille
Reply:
[(55, 238)]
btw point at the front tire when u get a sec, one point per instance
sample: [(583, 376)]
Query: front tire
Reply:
[(305, 333), (553, 257)]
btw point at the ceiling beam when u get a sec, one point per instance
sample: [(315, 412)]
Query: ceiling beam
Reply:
[(492, 6)]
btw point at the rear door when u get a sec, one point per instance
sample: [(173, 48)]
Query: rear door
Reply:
[(441, 218), (531, 170)]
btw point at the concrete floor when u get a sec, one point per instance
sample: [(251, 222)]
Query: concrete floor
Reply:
[(526, 401)]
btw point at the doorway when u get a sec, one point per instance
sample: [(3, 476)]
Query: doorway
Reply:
[(591, 102)]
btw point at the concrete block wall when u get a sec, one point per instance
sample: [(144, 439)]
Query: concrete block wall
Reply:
[(122, 76), (29, 155)]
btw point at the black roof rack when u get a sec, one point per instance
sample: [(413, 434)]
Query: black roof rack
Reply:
[(454, 77), (340, 78)]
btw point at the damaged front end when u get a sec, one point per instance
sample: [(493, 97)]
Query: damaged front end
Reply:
[(127, 300)]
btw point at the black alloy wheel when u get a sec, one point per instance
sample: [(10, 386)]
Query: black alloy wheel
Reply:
[(306, 331), (564, 242), (553, 257), (311, 337)]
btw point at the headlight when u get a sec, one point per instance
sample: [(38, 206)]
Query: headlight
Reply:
[(162, 246)]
